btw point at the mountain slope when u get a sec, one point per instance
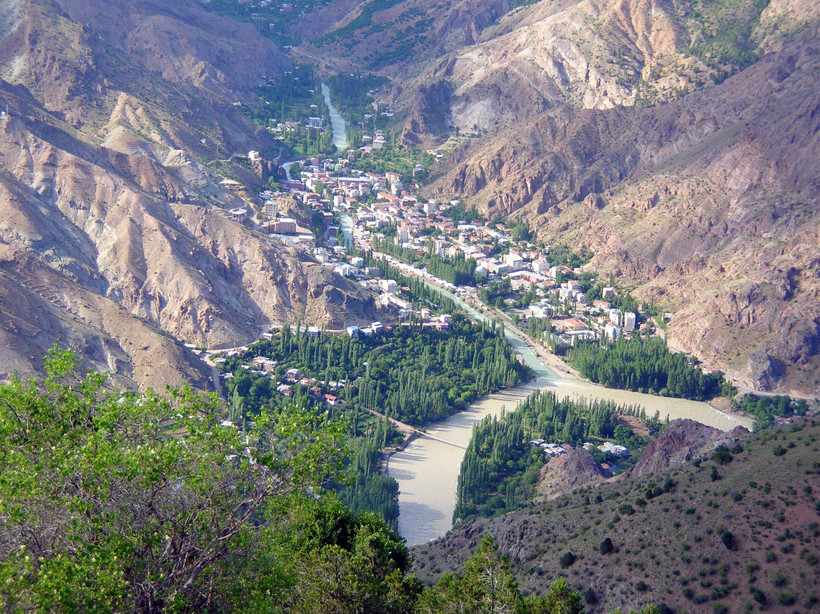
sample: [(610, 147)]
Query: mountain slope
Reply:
[(706, 203), (395, 37), (701, 533), (109, 215)]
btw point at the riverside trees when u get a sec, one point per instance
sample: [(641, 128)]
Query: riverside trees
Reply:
[(500, 467), (645, 365), (414, 374)]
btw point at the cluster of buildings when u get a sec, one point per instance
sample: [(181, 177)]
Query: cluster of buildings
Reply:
[(383, 201), (551, 449), (326, 185), (609, 448), (559, 449), (287, 386), (598, 321)]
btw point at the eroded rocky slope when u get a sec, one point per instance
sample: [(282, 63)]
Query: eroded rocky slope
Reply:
[(114, 234), (709, 204), (706, 203)]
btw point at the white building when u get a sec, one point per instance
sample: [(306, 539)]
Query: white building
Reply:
[(539, 311), (514, 261), (630, 319), (541, 266), (500, 268), (612, 448), (581, 336), (345, 270)]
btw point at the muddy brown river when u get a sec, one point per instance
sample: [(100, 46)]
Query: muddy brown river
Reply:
[(427, 470)]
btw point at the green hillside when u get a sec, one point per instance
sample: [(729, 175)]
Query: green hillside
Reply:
[(734, 531)]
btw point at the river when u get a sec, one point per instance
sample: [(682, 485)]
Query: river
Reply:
[(338, 129), (337, 123), (427, 470)]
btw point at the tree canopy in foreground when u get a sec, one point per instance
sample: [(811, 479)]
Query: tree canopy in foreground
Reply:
[(114, 501)]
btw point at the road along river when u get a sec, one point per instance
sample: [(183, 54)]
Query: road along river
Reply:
[(427, 470)]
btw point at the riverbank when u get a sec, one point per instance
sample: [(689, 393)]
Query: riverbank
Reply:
[(427, 465), (427, 469), (549, 359), (721, 406), (556, 364), (565, 381)]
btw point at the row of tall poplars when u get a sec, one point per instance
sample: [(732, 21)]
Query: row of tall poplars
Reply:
[(646, 365), (414, 373), (500, 467)]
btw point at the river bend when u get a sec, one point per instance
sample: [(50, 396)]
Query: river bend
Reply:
[(427, 470)]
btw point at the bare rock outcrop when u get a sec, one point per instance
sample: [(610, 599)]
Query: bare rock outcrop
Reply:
[(678, 443), (569, 471)]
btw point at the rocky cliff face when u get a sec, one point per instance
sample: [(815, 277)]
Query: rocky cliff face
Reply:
[(706, 203), (114, 237)]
